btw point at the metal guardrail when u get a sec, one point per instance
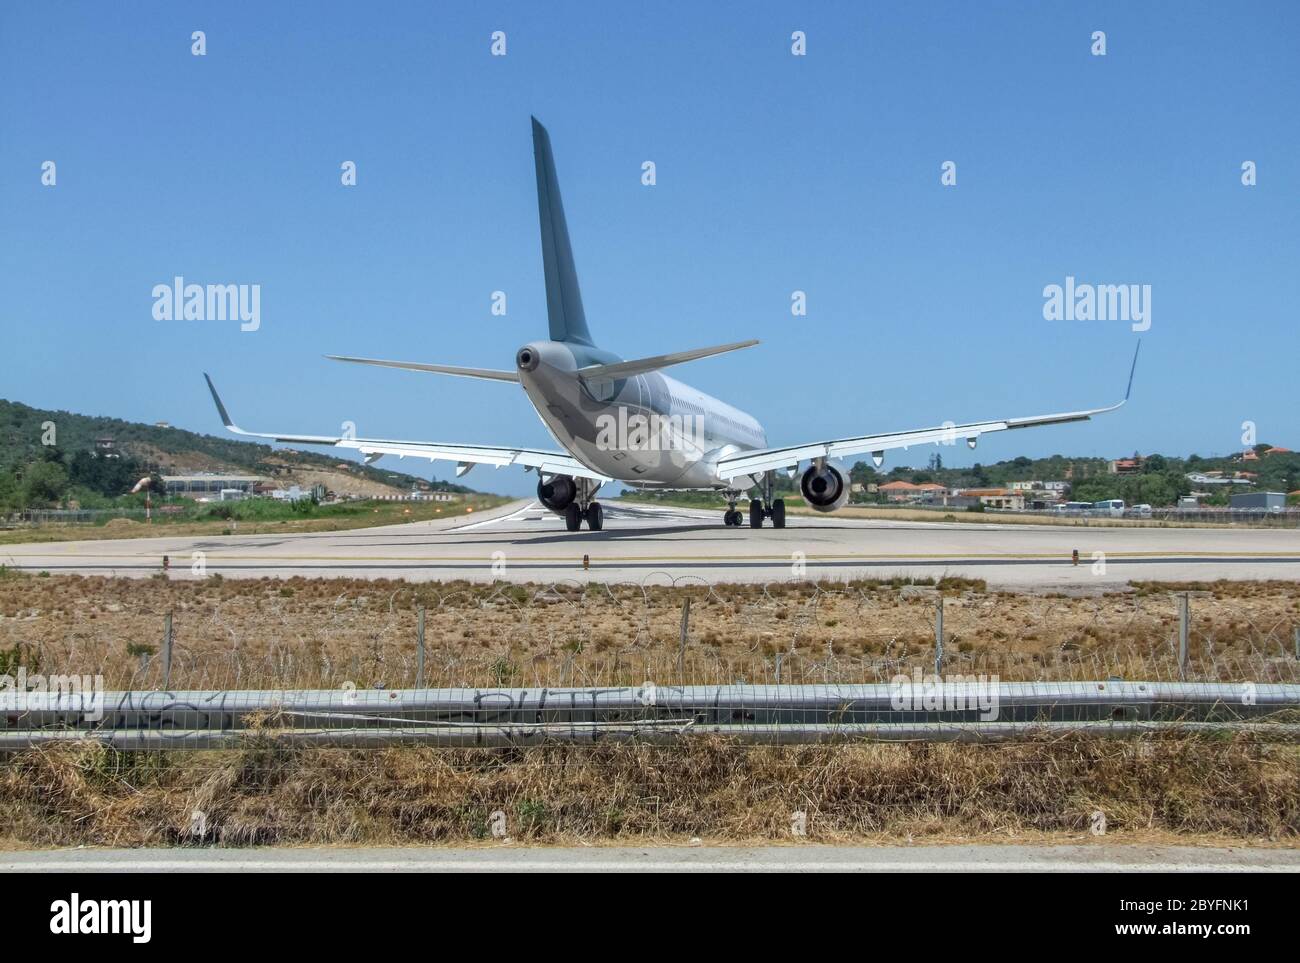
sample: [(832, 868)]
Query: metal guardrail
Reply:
[(962, 711)]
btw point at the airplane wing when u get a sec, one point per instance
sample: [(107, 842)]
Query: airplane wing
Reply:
[(465, 456), (773, 459)]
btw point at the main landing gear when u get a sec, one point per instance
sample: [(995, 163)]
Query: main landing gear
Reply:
[(759, 509), (593, 514), (584, 507)]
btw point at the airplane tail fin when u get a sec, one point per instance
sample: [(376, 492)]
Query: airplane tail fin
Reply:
[(563, 299)]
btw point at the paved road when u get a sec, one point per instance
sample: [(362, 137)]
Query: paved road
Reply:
[(1099, 857), (522, 542)]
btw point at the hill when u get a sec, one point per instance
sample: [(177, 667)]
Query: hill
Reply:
[(144, 449)]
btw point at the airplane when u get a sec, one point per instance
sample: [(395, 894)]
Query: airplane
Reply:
[(626, 421)]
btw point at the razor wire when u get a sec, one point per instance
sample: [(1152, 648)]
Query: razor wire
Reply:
[(301, 634)]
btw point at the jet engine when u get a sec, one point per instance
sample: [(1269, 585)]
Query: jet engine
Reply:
[(557, 492), (826, 489)]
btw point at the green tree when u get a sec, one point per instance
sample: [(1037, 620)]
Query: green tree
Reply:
[(44, 484)]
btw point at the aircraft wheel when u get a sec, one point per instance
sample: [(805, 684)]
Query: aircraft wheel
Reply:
[(755, 514), (595, 517), (573, 517), (778, 513)]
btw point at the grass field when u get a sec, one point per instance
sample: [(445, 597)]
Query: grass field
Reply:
[(327, 633), (255, 517), (1186, 789)]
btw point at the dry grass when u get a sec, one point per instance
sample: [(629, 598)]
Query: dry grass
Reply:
[(307, 633), (300, 632), (1229, 789)]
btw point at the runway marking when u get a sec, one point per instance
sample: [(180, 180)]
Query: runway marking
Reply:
[(491, 521), (1064, 556), (569, 565)]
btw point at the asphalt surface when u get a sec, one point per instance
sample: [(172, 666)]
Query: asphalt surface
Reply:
[(640, 543), (1099, 857)]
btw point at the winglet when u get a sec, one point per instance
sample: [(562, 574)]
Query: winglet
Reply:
[(1128, 391), (221, 408)]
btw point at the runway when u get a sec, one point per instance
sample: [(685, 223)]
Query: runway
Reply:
[(650, 544)]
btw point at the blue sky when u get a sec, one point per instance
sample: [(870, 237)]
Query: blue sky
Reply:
[(775, 173)]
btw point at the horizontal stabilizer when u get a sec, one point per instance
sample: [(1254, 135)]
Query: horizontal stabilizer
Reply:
[(490, 374), (628, 369)]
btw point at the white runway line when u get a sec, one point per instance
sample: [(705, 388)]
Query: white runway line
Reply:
[(492, 521)]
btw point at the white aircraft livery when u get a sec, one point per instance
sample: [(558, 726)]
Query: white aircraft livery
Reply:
[(626, 421)]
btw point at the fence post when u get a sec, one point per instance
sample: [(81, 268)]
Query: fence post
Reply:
[(419, 650), (1297, 641), (938, 637), (167, 651), (1183, 625), (681, 649)]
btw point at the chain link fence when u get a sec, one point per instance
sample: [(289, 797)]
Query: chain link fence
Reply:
[(305, 634)]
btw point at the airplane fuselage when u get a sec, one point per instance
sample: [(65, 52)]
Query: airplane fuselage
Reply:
[(645, 430)]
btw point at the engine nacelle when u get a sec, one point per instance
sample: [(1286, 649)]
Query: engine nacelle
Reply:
[(825, 490), (557, 493)]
